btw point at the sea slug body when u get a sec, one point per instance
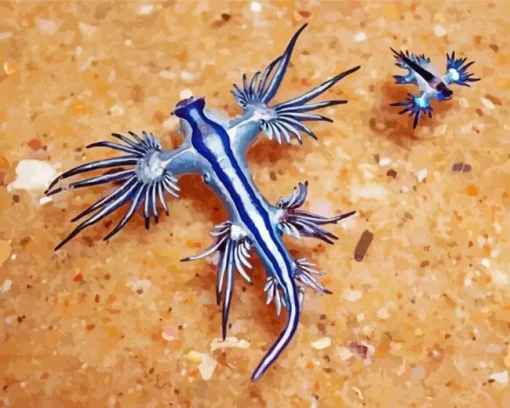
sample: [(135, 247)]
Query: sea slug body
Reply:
[(431, 85), (216, 149)]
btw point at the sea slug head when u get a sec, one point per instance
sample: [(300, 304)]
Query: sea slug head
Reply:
[(444, 93), (185, 107)]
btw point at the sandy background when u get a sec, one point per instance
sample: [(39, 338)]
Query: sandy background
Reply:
[(422, 321)]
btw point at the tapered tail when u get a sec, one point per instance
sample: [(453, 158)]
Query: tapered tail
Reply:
[(292, 304)]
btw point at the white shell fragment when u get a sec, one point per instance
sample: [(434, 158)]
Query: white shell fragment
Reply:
[(32, 175), (6, 286), (321, 344), (229, 342), (344, 353), (206, 365), (500, 377), (352, 295), (421, 174), (360, 37), (440, 31)]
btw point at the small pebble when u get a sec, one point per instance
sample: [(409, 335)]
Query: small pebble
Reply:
[(9, 68), (168, 334), (494, 100), (488, 104), (352, 295), (256, 7), (229, 342), (372, 191), (112, 76), (195, 356), (47, 26), (206, 365), (6, 286), (486, 262), (500, 277), (359, 393), (45, 200), (500, 377), (360, 37), (145, 9), (362, 246), (187, 76), (32, 175), (321, 343), (391, 173), (86, 64), (439, 31), (457, 167), (139, 285), (344, 353), (383, 314), (362, 350), (421, 175), (117, 110), (87, 29), (186, 93)]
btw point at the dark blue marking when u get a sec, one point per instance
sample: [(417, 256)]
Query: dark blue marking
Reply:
[(200, 146)]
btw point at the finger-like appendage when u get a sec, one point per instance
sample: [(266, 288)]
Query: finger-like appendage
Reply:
[(275, 82), (297, 104), (233, 249), (95, 165), (287, 118), (401, 59), (229, 291), (284, 121), (267, 87), (415, 106), (105, 211), (306, 276), (456, 71), (106, 200), (129, 213), (145, 182), (298, 223)]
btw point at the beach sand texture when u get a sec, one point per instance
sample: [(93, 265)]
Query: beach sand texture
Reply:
[(420, 319)]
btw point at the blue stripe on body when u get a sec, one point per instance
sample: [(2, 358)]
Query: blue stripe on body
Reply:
[(239, 201)]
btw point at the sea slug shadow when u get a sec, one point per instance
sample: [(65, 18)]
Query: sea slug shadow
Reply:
[(386, 121)]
